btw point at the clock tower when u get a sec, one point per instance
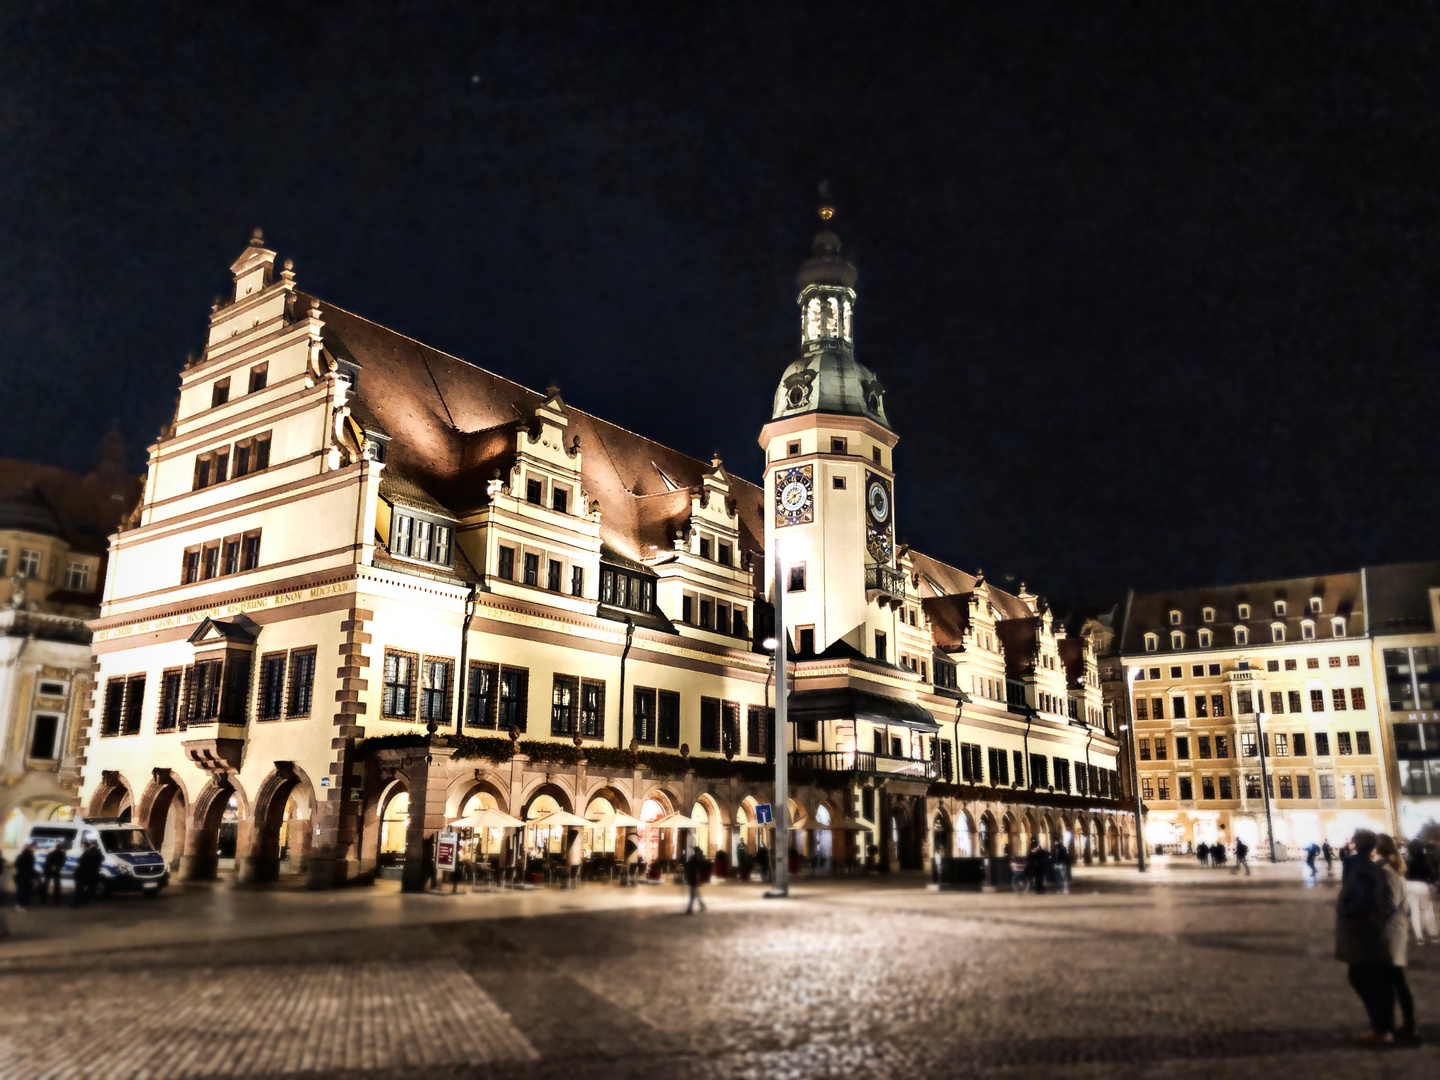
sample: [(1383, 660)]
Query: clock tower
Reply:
[(829, 488)]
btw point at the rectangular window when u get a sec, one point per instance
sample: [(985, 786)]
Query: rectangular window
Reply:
[(211, 561), (168, 718), (232, 556), (797, 578), (1277, 702), (759, 731), (1347, 787), (705, 619), (242, 459), (577, 581), (837, 446), (1039, 771), (399, 685), (1147, 789), (1367, 787), (250, 551), (1179, 703), (1062, 774), (1187, 789), (564, 701), (219, 393), (642, 716), (740, 628), (191, 567), (401, 534), (1202, 706), (1157, 708), (42, 737), (553, 577), (806, 646), (1204, 747), (1322, 744), (532, 568), (1362, 742), (1286, 790), (134, 701), (1217, 704), (505, 567), (421, 548), (1342, 743), (203, 693), (1222, 746), (1163, 787), (1294, 696), (440, 549), (1182, 748), (730, 727), (592, 709), (514, 698), (687, 608), (1243, 702), (1337, 699), (1357, 697), (1317, 700), (726, 554), (710, 724), (1225, 788), (262, 453), (77, 576), (1299, 744), (1207, 788), (480, 695), (560, 500), (1252, 786), (999, 764), (534, 492), (667, 720), (881, 646), (1248, 748), (302, 682), (1144, 749), (1160, 748), (1142, 709), (272, 686), (1327, 786), (1282, 744), (1302, 786), (1018, 758), (704, 547), (259, 375)]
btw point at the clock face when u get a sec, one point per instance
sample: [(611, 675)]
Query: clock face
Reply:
[(879, 501), (794, 496)]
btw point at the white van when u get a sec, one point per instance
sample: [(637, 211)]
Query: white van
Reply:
[(131, 862)]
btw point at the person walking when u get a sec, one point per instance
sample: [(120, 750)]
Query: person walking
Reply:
[(762, 862), (24, 875), (1242, 852), (1363, 915), (1311, 854), (1419, 881), (1329, 854), (1060, 857), (1387, 856), (693, 867), (1035, 866), (54, 867), (1202, 853)]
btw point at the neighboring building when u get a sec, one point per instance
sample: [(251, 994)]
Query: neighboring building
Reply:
[(53, 525), (1403, 607), (1254, 700), (342, 527)]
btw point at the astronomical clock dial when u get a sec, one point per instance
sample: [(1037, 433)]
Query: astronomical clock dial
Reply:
[(794, 496), (879, 525)]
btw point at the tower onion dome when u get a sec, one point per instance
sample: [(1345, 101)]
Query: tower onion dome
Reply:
[(827, 378)]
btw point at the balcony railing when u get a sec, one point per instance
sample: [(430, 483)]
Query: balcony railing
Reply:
[(885, 579), (862, 762)]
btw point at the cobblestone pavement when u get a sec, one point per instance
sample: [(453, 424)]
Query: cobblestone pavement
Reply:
[(1180, 975)]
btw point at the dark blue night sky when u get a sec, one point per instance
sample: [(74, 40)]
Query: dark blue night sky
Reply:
[(1152, 287)]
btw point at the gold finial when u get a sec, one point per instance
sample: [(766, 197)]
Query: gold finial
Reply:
[(258, 238), (826, 213)]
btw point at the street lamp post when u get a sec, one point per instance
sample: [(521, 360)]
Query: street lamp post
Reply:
[(1130, 678), (780, 857), (1265, 784)]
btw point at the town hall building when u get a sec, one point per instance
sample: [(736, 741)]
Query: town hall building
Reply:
[(371, 588)]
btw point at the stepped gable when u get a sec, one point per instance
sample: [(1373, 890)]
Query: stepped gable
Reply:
[(453, 424)]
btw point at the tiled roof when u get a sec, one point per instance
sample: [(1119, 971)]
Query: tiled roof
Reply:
[(86, 509), (1072, 656)]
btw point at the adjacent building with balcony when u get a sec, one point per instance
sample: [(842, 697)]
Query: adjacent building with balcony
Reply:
[(371, 587)]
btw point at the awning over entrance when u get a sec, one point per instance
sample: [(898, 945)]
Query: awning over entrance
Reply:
[(847, 703)]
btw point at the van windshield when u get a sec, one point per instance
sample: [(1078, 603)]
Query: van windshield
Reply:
[(116, 841)]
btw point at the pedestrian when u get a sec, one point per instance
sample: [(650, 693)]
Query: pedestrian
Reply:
[(693, 866), (1311, 854), (762, 862), (24, 875), (87, 872), (1242, 852), (1060, 856), (1202, 853), (1363, 913), (1419, 880), (1329, 854), (1387, 855), (54, 867), (3, 866), (1035, 866)]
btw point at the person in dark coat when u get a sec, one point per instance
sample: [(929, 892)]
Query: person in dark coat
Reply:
[(1364, 910), (1328, 853), (87, 872), (762, 862), (693, 866), (1035, 866), (1311, 854), (1202, 853), (24, 875), (1060, 858), (1242, 857), (54, 867)]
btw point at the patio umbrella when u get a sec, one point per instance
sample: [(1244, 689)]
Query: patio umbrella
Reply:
[(674, 821), (487, 819), (615, 820), (561, 817)]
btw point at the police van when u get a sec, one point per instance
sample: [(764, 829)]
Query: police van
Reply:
[(131, 863)]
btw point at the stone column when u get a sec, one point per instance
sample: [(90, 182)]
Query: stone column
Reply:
[(425, 776)]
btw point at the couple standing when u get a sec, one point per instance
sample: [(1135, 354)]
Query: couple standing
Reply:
[(1372, 936)]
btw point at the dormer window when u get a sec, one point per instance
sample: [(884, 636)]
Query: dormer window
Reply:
[(1152, 642), (1337, 627), (1307, 630), (1315, 604), (1205, 639), (1279, 609), (1174, 618), (417, 538), (1177, 640), (1207, 614), (1243, 611), (1277, 632)]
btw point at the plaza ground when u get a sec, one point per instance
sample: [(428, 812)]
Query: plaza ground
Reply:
[(1185, 972)]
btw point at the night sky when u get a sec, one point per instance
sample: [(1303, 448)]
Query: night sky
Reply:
[(1152, 287)]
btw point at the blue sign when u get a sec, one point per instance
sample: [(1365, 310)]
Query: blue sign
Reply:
[(762, 814)]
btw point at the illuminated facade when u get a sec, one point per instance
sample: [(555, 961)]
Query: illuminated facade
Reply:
[(371, 587)]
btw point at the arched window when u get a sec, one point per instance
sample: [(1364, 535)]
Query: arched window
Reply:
[(1205, 639), (1152, 642), (845, 326), (394, 823), (812, 319), (1177, 639), (832, 317), (1242, 636), (1277, 631)]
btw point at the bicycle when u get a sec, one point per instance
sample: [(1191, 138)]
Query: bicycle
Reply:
[(1019, 879)]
